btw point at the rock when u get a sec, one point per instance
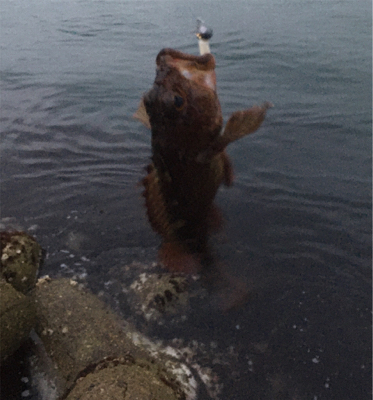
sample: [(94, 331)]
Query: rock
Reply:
[(158, 294), (21, 257), (20, 260), (46, 379), (94, 349), (76, 328), (122, 379), (17, 318)]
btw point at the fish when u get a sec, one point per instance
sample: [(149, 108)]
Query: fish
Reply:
[(189, 161)]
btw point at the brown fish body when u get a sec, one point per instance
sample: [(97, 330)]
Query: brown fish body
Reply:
[(189, 162)]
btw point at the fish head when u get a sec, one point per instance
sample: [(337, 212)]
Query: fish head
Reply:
[(183, 107)]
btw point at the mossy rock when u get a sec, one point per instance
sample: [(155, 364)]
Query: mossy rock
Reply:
[(17, 318), (21, 257)]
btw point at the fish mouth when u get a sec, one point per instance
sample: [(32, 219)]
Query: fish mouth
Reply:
[(199, 69)]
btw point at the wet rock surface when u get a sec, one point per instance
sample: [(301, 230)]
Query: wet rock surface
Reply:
[(21, 257), (160, 294), (94, 349), (76, 329), (123, 379), (17, 318)]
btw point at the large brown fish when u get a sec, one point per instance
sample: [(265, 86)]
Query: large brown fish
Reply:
[(189, 161)]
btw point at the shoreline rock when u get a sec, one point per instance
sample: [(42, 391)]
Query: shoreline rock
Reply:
[(83, 346), (21, 257), (17, 318), (93, 348)]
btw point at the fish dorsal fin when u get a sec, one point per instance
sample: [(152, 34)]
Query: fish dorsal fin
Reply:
[(142, 115)]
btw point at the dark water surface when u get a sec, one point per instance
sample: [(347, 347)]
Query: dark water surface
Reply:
[(298, 219)]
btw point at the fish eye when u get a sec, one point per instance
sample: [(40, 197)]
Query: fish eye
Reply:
[(178, 102)]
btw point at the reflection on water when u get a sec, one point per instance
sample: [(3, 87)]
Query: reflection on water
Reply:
[(297, 222)]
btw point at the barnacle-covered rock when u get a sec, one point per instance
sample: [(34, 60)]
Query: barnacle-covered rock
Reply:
[(17, 318), (159, 294), (76, 328), (21, 256), (123, 378), (20, 260), (96, 351)]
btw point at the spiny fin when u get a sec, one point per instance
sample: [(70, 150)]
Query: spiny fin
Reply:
[(177, 259), (155, 204), (142, 115)]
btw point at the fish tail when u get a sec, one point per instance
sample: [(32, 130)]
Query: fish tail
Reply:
[(177, 259)]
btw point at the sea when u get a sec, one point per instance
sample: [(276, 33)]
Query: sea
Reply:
[(298, 219)]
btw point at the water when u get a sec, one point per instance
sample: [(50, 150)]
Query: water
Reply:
[(298, 220)]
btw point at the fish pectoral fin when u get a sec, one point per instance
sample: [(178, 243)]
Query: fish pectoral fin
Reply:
[(142, 115), (242, 123)]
